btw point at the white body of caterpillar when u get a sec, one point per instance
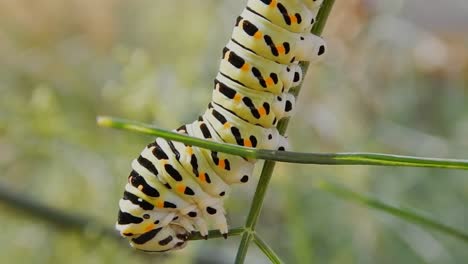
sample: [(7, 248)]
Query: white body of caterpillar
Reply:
[(174, 189)]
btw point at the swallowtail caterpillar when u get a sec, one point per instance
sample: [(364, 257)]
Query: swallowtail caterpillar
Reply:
[(174, 189)]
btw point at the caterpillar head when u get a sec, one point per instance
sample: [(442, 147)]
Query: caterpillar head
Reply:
[(148, 230)]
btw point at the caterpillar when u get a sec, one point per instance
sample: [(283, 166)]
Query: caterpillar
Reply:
[(175, 189)]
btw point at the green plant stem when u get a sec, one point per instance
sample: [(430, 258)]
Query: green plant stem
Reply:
[(243, 247), (268, 166), (266, 249), (351, 158), (404, 214), (216, 234)]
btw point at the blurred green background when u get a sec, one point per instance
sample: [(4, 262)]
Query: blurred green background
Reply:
[(395, 81)]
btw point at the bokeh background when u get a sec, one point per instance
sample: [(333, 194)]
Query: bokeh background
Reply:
[(395, 81)]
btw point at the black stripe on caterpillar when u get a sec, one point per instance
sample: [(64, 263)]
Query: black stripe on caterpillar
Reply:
[(173, 188)]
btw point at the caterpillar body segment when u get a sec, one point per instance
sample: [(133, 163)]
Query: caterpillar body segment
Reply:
[(184, 184), (166, 199), (273, 42), (294, 16), (180, 180), (234, 130), (256, 72), (136, 220), (192, 160), (174, 188), (232, 169), (169, 237), (143, 226), (259, 108)]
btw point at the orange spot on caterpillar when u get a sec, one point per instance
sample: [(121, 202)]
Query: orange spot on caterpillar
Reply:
[(262, 111), (149, 227), (245, 67), (280, 49), (227, 125), (269, 81), (247, 143), (258, 35), (202, 176), (222, 164), (160, 204), (140, 187), (237, 98), (180, 188), (273, 3), (189, 151), (293, 19)]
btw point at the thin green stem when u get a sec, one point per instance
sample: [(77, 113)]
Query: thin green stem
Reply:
[(243, 247), (148, 129), (351, 158), (216, 234), (397, 212), (266, 249), (268, 166)]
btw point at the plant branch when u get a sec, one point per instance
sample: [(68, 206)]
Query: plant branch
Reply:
[(266, 249), (268, 166), (404, 214), (350, 158), (216, 234)]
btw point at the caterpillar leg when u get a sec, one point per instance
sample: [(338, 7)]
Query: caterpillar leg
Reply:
[(311, 48), (194, 214), (214, 210), (292, 76), (184, 222)]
